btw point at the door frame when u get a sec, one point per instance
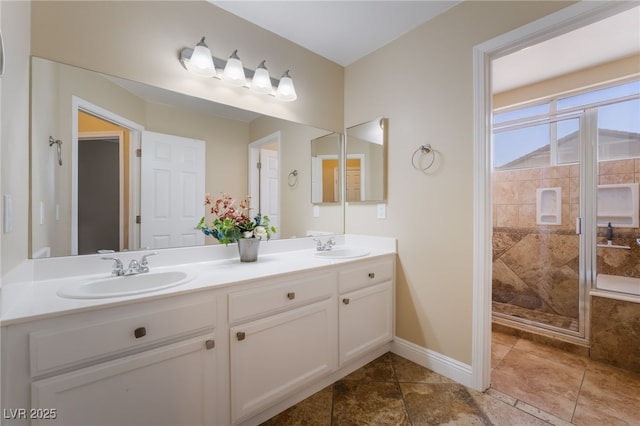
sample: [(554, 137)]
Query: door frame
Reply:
[(566, 20), (253, 178), (112, 134), (135, 131)]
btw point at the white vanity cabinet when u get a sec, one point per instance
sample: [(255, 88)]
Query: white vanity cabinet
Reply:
[(366, 314), (150, 363), (283, 336)]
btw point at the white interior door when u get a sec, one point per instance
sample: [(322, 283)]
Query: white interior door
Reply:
[(316, 179), (269, 187), (172, 190)]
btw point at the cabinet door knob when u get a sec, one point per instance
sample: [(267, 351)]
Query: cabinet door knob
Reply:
[(291, 295), (210, 344), (140, 332), (240, 335), (345, 300), (372, 275)]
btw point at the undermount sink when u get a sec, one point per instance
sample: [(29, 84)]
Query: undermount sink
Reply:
[(125, 286), (343, 253)]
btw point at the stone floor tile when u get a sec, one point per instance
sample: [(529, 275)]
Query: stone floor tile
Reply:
[(549, 352), (540, 414), (408, 371), (501, 413), (498, 352), (551, 386), (361, 402), (609, 395), (441, 403), (503, 339), (313, 411), (378, 370)]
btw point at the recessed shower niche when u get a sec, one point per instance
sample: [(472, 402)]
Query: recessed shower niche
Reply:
[(549, 206), (619, 205)]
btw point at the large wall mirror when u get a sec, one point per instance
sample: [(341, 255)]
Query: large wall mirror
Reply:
[(112, 160), (366, 162), (326, 169)]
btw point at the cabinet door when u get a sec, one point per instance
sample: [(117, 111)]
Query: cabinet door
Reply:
[(366, 320), (171, 385), (273, 357)]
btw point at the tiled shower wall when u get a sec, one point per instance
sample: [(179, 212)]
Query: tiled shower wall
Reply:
[(528, 257)]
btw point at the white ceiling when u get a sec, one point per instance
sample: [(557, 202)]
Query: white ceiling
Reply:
[(342, 31), (345, 31)]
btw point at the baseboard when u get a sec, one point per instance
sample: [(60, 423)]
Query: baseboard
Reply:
[(448, 367)]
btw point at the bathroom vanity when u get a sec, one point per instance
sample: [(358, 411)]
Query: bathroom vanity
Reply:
[(235, 345)]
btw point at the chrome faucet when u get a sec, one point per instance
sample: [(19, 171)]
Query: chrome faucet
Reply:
[(134, 267), (118, 268), (326, 246)]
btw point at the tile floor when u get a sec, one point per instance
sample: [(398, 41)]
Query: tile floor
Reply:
[(532, 384)]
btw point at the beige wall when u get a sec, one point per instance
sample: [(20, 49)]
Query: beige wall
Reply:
[(141, 41), (431, 214), (608, 72), (14, 136)]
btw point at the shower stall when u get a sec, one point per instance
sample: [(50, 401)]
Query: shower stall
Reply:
[(565, 205)]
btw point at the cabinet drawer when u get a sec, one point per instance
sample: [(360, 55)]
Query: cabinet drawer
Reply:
[(274, 297), (106, 333), (365, 275)]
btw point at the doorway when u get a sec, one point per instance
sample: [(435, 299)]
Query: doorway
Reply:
[(264, 178), (568, 19)]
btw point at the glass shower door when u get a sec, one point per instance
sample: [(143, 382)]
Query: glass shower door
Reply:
[(538, 277)]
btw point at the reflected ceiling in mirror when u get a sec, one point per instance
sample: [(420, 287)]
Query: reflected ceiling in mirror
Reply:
[(70, 202), (366, 162)]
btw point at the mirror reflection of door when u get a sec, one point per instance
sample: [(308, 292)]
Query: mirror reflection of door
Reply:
[(102, 185), (264, 179)]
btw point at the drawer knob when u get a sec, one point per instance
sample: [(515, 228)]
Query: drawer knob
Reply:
[(210, 344), (240, 335), (345, 300), (140, 332), (291, 295), (372, 275)]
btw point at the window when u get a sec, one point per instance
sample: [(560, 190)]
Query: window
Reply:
[(548, 134)]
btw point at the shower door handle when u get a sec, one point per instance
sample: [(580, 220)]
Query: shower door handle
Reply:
[(578, 225)]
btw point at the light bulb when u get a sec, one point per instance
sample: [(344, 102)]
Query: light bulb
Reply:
[(234, 71), (286, 90), (261, 82)]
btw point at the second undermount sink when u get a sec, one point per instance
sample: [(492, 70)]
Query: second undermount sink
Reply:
[(125, 286), (343, 253)]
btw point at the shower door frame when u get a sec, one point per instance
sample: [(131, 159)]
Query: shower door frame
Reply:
[(585, 222)]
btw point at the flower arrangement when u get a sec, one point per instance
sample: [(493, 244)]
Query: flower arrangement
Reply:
[(232, 222)]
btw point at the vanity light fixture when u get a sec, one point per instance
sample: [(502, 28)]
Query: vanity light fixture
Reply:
[(261, 82), (200, 62), (234, 71)]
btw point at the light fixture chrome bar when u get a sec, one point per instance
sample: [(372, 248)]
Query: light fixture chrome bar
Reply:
[(185, 55)]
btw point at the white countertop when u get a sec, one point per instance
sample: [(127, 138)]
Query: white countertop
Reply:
[(36, 298)]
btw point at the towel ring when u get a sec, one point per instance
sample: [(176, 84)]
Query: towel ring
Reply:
[(292, 179), (58, 142), (425, 150)]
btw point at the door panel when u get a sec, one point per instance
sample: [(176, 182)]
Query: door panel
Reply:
[(172, 190)]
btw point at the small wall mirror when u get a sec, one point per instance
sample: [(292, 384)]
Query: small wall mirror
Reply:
[(366, 162), (326, 160)]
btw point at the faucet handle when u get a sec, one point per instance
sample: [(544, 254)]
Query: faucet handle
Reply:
[(144, 261), (118, 268)]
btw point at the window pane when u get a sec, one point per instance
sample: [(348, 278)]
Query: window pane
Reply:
[(568, 150), (520, 113), (522, 148), (599, 95), (619, 130)]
